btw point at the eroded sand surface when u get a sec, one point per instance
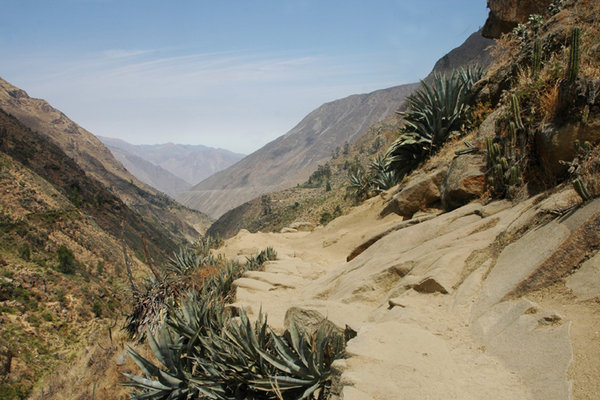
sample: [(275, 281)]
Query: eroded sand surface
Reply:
[(439, 306)]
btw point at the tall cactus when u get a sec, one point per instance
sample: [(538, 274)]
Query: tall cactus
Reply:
[(581, 189), (536, 59), (516, 112), (574, 55)]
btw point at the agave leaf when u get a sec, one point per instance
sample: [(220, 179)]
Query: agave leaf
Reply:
[(296, 339), (308, 392), (145, 365), (168, 379), (282, 349), (138, 381), (284, 365), (281, 381)]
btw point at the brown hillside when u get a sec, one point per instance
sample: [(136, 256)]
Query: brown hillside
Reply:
[(98, 162)]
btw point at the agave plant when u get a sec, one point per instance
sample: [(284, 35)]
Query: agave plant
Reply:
[(407, 152), (359, 185), (302, 366), (175, 380), (188, 259), (436, 112), (206, 353), (230, 358), (382, 176)]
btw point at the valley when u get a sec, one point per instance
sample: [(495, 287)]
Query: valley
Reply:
[(437, 239)]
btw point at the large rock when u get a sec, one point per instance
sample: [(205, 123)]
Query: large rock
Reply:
[(310, 321), (420, 193), (465, 180), (556, 144), (506, 14)]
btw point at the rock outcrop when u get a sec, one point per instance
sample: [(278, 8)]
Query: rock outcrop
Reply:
[(506, 14), (465, 180)]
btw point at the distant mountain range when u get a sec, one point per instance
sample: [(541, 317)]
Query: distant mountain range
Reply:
[(171, 168)]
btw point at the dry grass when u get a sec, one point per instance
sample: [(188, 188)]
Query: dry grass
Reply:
[(94, 372)]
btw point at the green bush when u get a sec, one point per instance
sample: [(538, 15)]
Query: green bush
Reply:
[(25, 252), (97, 308), (66, 260)]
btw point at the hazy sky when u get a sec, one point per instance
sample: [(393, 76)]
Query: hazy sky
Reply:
[(230, 74)]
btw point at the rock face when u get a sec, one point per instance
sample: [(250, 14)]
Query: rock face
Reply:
[(475, 50), (465, 180), (506, 14)]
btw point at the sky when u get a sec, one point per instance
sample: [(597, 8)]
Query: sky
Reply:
[(232, 74)]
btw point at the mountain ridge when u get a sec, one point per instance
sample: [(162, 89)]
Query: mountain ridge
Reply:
[(188, 162), (291, 158)]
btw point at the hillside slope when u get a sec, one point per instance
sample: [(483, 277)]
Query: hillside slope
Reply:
[(191, 163), (97, 161), (291, 158), (474, 50), (51, 304)]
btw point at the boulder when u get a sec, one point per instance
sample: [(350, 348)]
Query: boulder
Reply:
[(302, 226), (464, 181), (421, 192), (506, 14), (309, 321), (585, 283)]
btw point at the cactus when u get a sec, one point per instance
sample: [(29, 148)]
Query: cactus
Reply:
[(581, 189), (514, 176), (536, 62), (512, 133), (585, 114), (516, 111), (574, 55)]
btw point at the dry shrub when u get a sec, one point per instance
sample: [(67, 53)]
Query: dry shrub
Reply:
[(549, 103)]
